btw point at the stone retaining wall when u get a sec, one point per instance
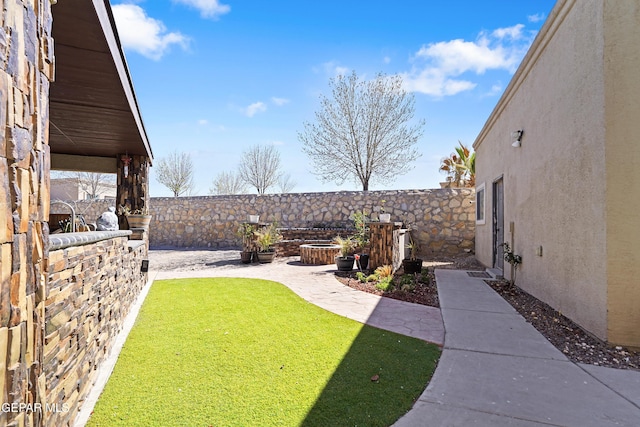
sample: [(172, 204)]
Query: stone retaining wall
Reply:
[(292, 238), (91, 289), (444, 219)]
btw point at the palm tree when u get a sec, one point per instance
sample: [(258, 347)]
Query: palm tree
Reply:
[(460, 167), (467, 164)]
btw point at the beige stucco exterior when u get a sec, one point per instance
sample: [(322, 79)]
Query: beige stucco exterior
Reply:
[(572, 187), (622, 154)]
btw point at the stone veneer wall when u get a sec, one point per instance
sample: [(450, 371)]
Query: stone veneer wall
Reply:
[(444, 218), (91, 289), (26, 69)]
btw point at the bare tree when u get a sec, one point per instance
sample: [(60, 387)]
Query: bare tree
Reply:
[(260, 167), (228, 183), (176, 173), (95, 184), (363, 131), (92, 184), (285, 183)]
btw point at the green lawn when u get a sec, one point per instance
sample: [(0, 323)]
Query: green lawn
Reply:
[(246, 352)]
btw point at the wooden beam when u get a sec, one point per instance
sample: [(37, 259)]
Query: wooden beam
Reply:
[(69, 162)]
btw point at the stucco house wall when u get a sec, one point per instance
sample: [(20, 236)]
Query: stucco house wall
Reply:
[(563, 192), (622, 157)]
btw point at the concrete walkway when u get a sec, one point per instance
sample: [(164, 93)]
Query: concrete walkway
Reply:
[(495, 369)]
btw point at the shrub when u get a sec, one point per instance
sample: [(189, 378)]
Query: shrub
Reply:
[(362, 277), (267, 237), (346, 245), (424, 276), (361, 236), (384, 271), (385, 284)]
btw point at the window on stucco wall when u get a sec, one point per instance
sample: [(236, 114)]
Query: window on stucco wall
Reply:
[(480, 196)]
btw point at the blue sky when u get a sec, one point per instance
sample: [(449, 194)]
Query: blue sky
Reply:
[(214, 78)]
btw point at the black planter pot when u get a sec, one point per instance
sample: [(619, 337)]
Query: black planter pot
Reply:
[(364, 261), (246, 257), (345, 263), (411, 266)]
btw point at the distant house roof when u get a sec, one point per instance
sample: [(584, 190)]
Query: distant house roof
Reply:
[(93, 107)]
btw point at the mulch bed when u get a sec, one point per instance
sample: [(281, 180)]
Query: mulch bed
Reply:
[(425, 291)]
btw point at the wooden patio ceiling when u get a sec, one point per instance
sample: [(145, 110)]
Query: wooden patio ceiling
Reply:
[(93, 107)]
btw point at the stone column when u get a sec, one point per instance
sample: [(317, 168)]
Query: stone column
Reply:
[(26, 69), (132, 190), (381, 244)]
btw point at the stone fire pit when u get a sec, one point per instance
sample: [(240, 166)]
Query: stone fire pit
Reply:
[(318, 253)]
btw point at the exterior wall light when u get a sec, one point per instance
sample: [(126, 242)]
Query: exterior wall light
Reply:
[(517, 137), (126, 160)]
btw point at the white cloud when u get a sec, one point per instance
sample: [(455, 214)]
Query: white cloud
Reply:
[(514, 33), (333, 69), (203, 122), (386, 60), (143, 34), (279, 101), (208, 8), (536, 18), (438, 67), (433, 82), (496, 89), (256, 107)]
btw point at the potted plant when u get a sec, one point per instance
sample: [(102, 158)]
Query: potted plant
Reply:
[(361, 238), (139, 218), (383, 216), (246, 233), (265, 239), (413, 264), (345, 260)]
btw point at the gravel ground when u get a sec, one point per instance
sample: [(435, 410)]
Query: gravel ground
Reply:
[(566, 336), (179, 259)]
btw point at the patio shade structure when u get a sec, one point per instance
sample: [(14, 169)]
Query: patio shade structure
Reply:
[(95, 120)]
